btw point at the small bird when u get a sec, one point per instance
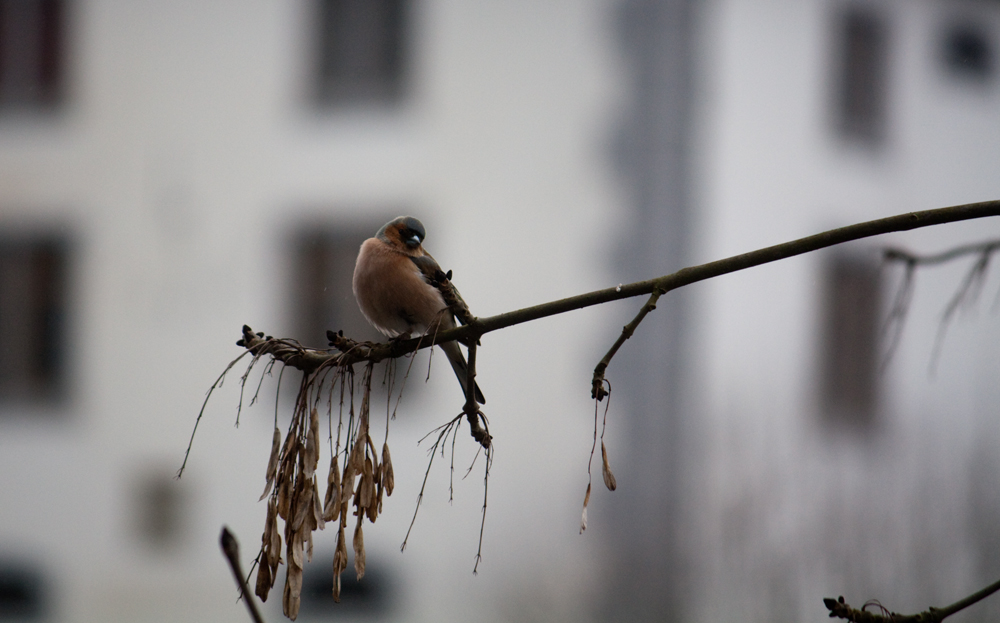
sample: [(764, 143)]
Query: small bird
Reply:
[(392, 283)]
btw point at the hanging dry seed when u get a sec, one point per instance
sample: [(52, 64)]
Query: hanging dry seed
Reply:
[(317, 509), (583, 517), (339, 561), (609, 478), (310, 458), (331, 505), (388, 479), (273, 539), (291, 598), (264, 581), (303, 504), (365, 487), (272, 462), (359, 548)]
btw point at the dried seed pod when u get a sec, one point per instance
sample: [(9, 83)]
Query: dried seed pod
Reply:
[(331, 505), (609, 478), (359, 549), (374, 458), (388, 479), (272, 463), (284, 497), (290, 439), (317, 508), (303, 504), (295, 550), (366, 486), (264, 581), (339, 561), (357, 460), (583, 517), (310, 458), (372, 509), (272, 543), (291, 599)]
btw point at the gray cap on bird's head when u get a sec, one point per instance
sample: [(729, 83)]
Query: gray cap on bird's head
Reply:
[(411, 230)]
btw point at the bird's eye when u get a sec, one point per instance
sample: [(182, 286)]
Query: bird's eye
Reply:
[(410, 238)]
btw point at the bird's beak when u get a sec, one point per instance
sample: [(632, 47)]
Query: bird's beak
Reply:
[(414, 241)]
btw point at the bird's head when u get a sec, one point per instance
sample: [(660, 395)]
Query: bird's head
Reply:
[(403, 232)]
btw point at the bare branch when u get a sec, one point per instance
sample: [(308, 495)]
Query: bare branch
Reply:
[(231, 549), (840, 609), (307, 359), (966, 294)]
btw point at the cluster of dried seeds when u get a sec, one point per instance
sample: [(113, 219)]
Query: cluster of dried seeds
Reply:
[(294, 496)]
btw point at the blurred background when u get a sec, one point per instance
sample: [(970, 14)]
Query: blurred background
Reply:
[(172, 170)]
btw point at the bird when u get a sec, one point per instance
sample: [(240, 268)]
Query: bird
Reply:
[(392, 284)]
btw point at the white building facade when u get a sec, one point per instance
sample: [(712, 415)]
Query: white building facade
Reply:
[(170, 171)]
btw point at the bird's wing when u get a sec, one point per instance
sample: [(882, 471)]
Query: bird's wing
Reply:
[(428, 267)]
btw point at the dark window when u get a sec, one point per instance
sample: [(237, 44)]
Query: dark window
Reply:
[(323, 298), (968, 52), (22, 592), (861, 74), (849, 367), (368, 598), (31, 52), (361, 46), (32, 318)]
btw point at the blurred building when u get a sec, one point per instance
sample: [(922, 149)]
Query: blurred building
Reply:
[(170, 171), (776, 454)]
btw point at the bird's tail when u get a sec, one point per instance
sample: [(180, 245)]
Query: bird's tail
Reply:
[(461, 368)]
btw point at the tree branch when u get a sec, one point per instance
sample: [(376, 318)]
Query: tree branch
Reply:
[(840, 609), (231, 549), (309, 359)]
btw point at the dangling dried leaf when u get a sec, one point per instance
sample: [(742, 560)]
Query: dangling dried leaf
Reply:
[(272, 462), (264, 581), (284, 498), (359, 549), (310, 459), (290, 439), (609, 478), (365, 487), (303, 504), (291, 599), (295, 550), (388, 479), (372, 509), (358, 451), (274, 553), (317, 509), (583, 518), (339, 562), (336, 583), (272, 540), (331, 505), (354, 465)]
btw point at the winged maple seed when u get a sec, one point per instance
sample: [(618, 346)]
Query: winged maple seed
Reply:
[(355, 477)]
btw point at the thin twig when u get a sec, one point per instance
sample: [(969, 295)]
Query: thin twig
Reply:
[(445, 428), (231, 549), (597, 390), (966, 294), (486, 491), (217, 383)]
